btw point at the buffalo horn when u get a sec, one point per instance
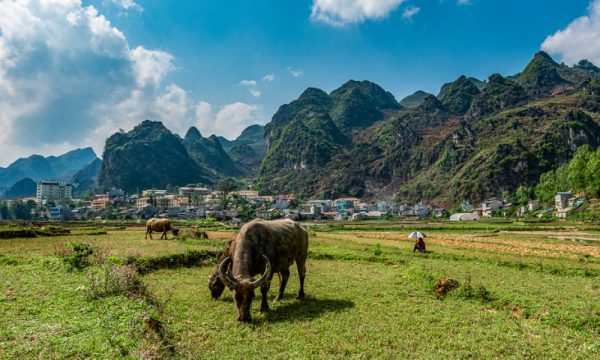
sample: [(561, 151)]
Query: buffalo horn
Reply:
[(224, 274), (263, 279)]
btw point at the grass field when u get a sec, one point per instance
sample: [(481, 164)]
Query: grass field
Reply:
[(524, 291)]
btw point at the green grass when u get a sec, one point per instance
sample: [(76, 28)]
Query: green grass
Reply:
[(361, 310), (44, 313), (368, 296)]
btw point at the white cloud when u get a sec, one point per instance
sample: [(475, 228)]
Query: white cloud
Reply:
[(128, 5), (295, 72), (248, 82), (409, 12), (344, 12), (579, 40), (150, 66), (268, 78), (229, 121), (68, 78), (254, 92)]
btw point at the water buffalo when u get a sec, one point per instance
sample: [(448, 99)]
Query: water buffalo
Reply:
[(160, 225), (263, 247), (215, 285)]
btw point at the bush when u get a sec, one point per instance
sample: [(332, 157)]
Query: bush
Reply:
[(112, 279), (377, 250), (190, 258), (76, 256), (480, 292)]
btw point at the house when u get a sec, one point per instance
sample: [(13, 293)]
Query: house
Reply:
[(440, 213), (421, 210), (561, 200), (265, 214), (188, 191), (347, 203), (154, 192), (534, 205), (464, 217), (248, 194), (488, 207), (57, 213), (100, 202)]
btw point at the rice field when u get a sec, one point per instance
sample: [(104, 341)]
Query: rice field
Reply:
[(522, 292)]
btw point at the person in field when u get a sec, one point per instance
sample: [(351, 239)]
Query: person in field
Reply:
[(419, 245)]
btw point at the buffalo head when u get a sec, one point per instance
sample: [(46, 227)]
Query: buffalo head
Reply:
[(216, 286), (243, 290)]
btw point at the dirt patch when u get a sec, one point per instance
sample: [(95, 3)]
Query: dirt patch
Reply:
[(444, 286)]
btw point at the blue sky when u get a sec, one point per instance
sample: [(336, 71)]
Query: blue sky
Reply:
[(72, 72)]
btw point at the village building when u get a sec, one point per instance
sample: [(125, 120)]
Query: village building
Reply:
[(187, 191), (58, 191), (464, 217), (100, 202), (561, 201)]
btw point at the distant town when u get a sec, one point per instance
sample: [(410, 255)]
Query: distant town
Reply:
[(54, 201)]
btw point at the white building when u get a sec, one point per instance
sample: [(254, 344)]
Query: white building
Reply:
[(464, 217), (58, 191)]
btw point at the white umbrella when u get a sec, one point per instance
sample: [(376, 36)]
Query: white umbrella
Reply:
[(416, 234)]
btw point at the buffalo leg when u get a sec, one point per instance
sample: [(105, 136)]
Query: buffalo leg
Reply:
[(150, 233), (284, 275), (264, 290), (164, 236), (301, 263)]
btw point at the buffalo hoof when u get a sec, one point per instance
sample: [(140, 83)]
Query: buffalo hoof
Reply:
[(300, 296), (279, 297), (264, 309)]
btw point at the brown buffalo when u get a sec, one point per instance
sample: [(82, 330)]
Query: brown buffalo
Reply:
[(263, 247), (160, 225), (215, 285)]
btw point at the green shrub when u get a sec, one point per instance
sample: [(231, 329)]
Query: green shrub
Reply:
[(76, 256), (468, 291), (377, 250)]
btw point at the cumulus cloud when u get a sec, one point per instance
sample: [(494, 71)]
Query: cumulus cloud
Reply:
[(68, 78), (268, 78), (150, 66), (409, 12), (229, 121), (579, 40), (344, 12)]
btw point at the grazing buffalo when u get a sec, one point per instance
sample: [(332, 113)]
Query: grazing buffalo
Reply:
[(215, 285), (160, 225), (263, 247)]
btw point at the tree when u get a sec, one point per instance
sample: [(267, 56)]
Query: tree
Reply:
[(577, 168), (551, 182), (21, 210), (523, 194), (592, 174), (228, 185)]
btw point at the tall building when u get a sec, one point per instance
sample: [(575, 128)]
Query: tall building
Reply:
[(58, 191)]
